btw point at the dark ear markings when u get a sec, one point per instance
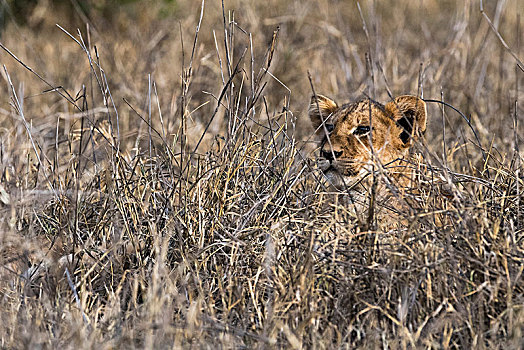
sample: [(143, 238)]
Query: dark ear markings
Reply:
[(410, 115), (406, 123)]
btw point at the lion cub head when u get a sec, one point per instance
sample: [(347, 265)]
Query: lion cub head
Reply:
[(356, 135)]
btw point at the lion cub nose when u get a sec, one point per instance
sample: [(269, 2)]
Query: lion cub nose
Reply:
[(328, 154)]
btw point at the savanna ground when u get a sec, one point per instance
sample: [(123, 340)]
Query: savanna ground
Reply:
[(158, 185)]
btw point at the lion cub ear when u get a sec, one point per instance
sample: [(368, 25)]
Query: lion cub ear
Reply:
[(409, 112), (320, 108)]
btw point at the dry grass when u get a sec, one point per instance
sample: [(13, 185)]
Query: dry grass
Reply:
[(158, 187)]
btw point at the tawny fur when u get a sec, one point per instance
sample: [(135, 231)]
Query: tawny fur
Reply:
[(365, 136)]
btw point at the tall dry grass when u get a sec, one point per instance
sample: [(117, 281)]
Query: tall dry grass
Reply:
[(158, 185)]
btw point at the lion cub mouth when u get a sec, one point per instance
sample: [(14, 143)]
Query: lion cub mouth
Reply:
[(340, 178)]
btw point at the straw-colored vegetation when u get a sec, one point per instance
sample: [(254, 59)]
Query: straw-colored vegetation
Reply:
[(159, 189)]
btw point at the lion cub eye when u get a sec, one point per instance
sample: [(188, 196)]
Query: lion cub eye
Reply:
[(330, 127), (361, 130)]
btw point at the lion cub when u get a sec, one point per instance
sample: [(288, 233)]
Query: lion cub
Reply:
[(366, 137)]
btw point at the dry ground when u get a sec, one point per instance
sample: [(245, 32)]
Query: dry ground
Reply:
[(158, 187)]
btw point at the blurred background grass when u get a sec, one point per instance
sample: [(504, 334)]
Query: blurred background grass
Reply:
[(181, 267), (445, 43)]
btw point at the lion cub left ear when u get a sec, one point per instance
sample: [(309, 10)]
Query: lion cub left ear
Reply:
[(409, 112), (320, 108)]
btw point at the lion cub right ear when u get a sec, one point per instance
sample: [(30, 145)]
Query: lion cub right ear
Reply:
[(320, 109), (409, 113)]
